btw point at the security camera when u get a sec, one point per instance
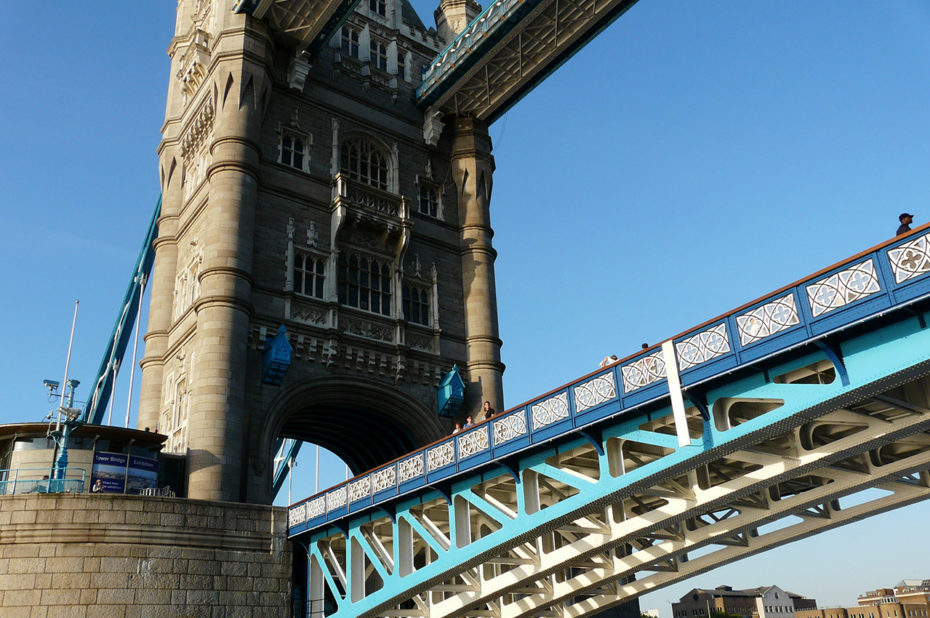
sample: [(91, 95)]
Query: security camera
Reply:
[(71, 414)]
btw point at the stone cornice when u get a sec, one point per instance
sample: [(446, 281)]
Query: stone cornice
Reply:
[(231, 302), (140, 520)]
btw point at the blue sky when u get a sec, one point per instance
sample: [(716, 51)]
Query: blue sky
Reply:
[(694, 156)]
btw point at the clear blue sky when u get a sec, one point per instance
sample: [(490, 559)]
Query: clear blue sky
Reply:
[(695, 156)]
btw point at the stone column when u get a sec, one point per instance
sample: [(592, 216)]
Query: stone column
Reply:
[(473, 168), (161, 284), (219, 417)]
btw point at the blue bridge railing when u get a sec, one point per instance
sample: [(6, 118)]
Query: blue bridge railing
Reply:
[(42, 481), (485, 29), (869, 284)]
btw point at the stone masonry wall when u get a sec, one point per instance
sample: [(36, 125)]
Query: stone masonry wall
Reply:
[(121, 556)]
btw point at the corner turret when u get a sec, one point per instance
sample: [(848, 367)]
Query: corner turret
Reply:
[(453, 16)]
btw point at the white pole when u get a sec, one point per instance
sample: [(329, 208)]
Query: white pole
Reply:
[(290, 477), (316, 471), (347, 472), (64, 383), (113, 392), (135, 347)]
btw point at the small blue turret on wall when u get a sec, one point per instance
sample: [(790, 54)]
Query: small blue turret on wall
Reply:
[(451, 393), (277, 358)]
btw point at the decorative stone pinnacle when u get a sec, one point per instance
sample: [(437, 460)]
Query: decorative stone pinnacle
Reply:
[(432, 127), (297, 71)]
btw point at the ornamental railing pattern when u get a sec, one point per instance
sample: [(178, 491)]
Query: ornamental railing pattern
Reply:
[(367, 198), (890, 276), (493, 16)]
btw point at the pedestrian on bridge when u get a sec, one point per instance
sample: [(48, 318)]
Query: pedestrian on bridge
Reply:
[(906, 219), (488, 410)]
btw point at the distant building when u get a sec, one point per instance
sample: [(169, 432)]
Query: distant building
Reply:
[(878, 597), (909, 593), (910, 598), (914, 596), (762, 602)]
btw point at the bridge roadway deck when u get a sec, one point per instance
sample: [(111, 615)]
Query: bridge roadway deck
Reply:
[(866, 286)]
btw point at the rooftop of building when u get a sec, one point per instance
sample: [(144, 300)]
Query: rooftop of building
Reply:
[(36, 430), (729, 591)]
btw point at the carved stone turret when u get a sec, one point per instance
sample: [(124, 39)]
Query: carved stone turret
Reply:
[(453, 16)]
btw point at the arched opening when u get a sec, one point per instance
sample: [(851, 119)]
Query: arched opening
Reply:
[(363, 423)]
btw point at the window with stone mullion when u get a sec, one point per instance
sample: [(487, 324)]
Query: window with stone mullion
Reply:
[(350, 38), (429, 201), (309, 271), (378, 6), (364, 283), (364, 163), (416, 304), (292, 150), (378, 55)]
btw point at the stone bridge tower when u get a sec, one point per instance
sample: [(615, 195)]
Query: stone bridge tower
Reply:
[(310, 191)]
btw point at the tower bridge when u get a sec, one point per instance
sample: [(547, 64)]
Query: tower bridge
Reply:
[(321, 255), (741, 434)]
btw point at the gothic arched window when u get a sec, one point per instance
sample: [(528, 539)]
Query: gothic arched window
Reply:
[(364, 282), (309, 274), (364, 162), (416, 304)]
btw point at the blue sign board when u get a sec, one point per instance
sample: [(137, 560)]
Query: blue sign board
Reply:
[(120, 473)]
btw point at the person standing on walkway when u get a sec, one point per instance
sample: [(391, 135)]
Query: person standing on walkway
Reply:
[(906, 219)]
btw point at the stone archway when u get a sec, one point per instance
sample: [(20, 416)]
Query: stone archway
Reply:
[(366, 423)]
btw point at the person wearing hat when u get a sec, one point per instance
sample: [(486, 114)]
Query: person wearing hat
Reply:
[(906, 219)]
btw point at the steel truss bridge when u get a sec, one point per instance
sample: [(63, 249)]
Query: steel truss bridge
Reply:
[(794, 414)]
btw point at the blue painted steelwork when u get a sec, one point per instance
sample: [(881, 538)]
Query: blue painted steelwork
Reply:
[(451, 393), (848, 314), (119, 339), (891, 276), (277, 358), (485, 31), (283, 468), (494, 24), (872, 357)]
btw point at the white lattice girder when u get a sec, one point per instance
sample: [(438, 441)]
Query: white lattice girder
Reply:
[(844, 483), (903, 495), (529, 49), (773, 467)]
